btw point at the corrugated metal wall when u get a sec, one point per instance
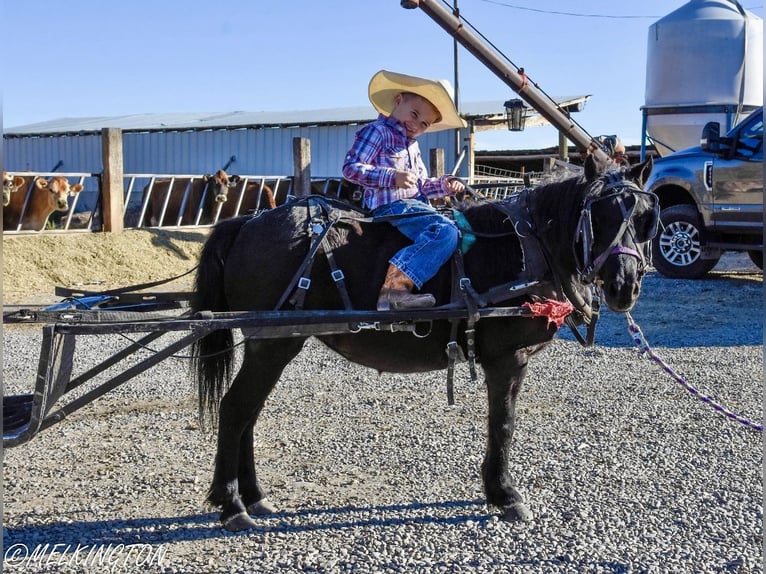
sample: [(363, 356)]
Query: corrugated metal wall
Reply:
[(78, 153), (266, 151)]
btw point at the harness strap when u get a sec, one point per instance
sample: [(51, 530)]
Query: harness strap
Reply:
[(471, 300), (590, 336), (301, 289), (337, 275), (452, 352), (302, 280), (510, 290), (131, 288)]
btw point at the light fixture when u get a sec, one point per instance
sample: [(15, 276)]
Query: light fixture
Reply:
[(514, 114)]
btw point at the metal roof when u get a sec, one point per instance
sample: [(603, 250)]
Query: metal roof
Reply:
[(487, 114)]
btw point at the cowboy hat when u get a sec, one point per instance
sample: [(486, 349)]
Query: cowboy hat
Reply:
[(385, 86)]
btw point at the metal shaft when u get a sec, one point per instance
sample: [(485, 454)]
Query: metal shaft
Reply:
[(490, 58)]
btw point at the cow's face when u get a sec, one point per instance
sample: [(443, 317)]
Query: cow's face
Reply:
[(219, 185), (10, 184), (59, 191)]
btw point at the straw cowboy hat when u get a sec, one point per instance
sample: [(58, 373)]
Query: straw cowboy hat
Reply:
[(385, 86)]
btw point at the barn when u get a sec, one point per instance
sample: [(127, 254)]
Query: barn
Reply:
[(253, 143)]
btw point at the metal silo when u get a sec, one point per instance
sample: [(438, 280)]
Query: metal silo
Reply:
[(704, 63)]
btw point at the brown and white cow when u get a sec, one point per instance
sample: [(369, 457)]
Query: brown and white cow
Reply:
[(186, 201), (11, 183), (32, 203)]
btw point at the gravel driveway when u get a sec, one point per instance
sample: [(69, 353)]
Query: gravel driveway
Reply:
[(625, 471)]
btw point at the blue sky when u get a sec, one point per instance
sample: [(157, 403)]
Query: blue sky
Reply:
[(84, 58)]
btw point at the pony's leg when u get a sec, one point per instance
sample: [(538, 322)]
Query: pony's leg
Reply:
[(262, 366), (503, 379), (250, 490)]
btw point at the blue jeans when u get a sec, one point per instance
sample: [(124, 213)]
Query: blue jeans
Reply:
[(434, 238)]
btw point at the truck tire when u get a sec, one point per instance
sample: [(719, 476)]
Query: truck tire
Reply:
[(757, 258), (677, 247)]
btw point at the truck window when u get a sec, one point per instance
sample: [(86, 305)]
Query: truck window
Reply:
[(750, 140)]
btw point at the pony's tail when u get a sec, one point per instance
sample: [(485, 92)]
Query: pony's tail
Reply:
[(212, 355)]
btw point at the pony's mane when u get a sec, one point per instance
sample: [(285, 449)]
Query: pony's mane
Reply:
[(557, 199)]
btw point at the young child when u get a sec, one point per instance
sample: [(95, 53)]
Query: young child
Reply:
[(619, 156), (385, 161)]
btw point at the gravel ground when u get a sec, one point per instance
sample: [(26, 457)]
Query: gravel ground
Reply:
[(625, 471)]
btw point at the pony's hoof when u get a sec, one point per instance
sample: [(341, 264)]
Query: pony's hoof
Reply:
[(261, 508), (517, 512), (238, 522)]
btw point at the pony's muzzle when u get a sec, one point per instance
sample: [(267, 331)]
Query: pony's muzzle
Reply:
[(621, 294)]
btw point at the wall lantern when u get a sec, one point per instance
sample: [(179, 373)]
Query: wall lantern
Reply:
[(514, 114)]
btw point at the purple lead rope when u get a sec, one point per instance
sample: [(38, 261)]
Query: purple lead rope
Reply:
[(643, 347)]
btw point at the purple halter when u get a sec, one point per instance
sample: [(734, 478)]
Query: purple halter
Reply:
[(588, 266), (617, 250)]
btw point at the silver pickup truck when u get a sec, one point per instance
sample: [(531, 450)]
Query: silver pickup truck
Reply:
[(711, 200)]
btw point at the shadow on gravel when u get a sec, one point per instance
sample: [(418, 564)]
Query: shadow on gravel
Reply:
[(167, 239), (723, 310), (206, 526)]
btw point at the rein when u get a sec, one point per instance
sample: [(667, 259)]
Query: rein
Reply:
[(646, 351)]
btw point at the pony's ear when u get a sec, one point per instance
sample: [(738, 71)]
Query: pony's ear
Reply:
[(640, 173), (592, 168)]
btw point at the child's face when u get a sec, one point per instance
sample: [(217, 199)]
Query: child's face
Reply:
[(415, 113)]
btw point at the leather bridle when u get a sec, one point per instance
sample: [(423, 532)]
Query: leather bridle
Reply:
[(619, 189)]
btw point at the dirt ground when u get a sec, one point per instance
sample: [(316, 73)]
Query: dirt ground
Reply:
[(33, 265)]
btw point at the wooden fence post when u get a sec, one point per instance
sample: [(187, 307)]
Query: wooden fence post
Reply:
[(112, 186), (301, 167), (436, 157)]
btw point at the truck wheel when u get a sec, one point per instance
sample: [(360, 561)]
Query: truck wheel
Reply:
[(757, 258), (677, 247)]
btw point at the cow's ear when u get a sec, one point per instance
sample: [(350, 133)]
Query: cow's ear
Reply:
[(207, 177), (18, 181), (41, 183), (234, 179), (76, 188)]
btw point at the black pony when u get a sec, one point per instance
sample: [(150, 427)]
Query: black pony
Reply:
[(568, 240)]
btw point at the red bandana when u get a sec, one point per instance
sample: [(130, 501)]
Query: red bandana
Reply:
[(555, 311)]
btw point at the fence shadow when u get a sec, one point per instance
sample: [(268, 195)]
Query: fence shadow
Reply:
[(206, 526)]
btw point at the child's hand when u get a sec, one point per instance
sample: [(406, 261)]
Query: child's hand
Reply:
[(405, 180), (455, 185)]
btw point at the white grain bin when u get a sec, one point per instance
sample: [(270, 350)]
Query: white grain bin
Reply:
[(704, 63)]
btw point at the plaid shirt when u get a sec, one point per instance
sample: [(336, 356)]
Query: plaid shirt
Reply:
[(380, 149)]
